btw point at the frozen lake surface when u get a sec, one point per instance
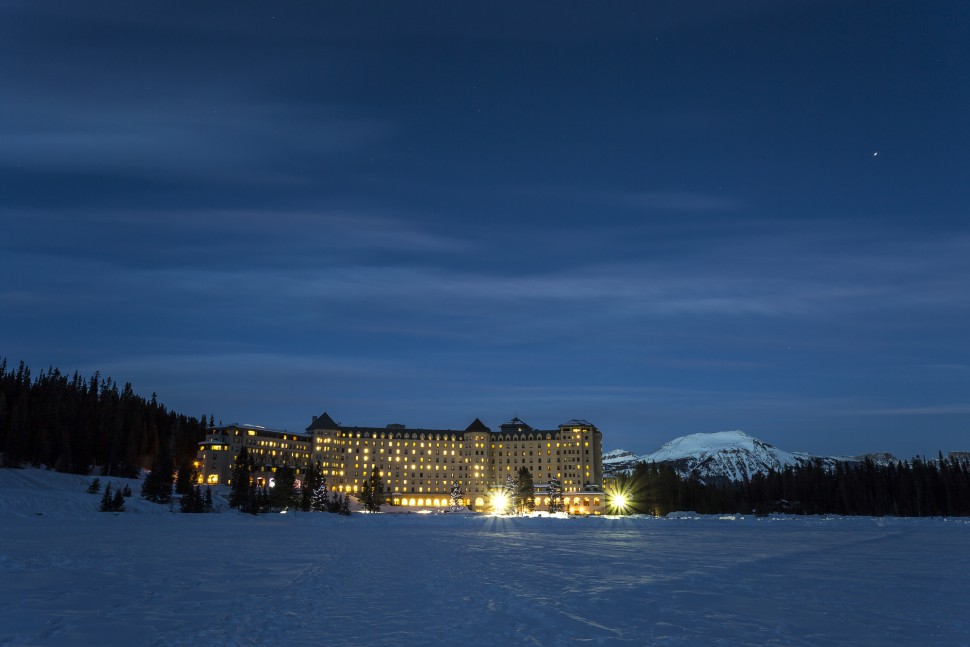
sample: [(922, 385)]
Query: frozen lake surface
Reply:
[(73, 576)]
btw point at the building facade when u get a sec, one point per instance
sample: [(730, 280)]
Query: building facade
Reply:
[(419, 467)]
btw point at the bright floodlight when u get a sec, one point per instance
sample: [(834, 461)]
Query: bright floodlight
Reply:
[(619, 502), (500, 502)]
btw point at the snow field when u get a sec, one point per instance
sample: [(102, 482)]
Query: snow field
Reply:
[(74, 576)]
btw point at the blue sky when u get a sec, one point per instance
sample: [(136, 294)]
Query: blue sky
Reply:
[(665, 218)]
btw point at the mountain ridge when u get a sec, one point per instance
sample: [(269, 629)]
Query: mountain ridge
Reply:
[(726, 455)]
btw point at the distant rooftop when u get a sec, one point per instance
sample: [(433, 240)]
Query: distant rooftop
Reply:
[(516, 426), (257, 428)]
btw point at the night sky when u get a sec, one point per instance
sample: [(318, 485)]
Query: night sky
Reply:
[(665, 218)]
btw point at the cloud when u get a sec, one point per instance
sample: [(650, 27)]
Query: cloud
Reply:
[(675, 202), (391, 275), (217, 138), (222, 241), (929, 410)]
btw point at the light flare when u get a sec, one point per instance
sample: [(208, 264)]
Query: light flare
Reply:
[(618, 502), (500, 503)]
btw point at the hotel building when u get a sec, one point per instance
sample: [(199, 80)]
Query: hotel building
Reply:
[(419, 467)]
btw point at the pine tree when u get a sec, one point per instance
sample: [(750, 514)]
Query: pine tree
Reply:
[(195, 501), (333, 502), (106, 499), (373, 496), (240, 480), (157, 486), (344, 505), (263, 500), (126, 492), (555, 495), (283, 494), (508, 492), (364, 496), (188, 477), (187, 502), (250, 500), (118, 502), (525, 500), (456, 497), (306, 495), (509, 487), (94, 486), (311, 481), (257, 501), (320, 499), (148, 485)]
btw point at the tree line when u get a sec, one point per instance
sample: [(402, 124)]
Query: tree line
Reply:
[(72, 424), (915, 488), (311, 495)]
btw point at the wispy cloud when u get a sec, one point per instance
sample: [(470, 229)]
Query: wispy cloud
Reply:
[(675, 202), (214, 137), (931, 410)]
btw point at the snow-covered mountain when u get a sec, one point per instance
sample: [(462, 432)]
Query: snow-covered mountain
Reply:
[(732, 455)]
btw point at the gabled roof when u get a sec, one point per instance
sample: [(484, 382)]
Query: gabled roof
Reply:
[(515, 425), (323, 421), (478, 425)]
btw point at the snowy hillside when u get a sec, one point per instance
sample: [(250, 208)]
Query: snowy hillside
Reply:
[(38, 492), (618, 460), (732, 455)]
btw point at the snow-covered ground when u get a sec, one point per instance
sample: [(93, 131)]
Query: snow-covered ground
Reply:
[(70, 575)]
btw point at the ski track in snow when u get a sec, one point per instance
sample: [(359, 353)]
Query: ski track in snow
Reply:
[(74, 576)]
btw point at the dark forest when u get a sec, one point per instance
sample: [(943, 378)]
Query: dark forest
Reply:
[(77, 424), (915, 488)]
